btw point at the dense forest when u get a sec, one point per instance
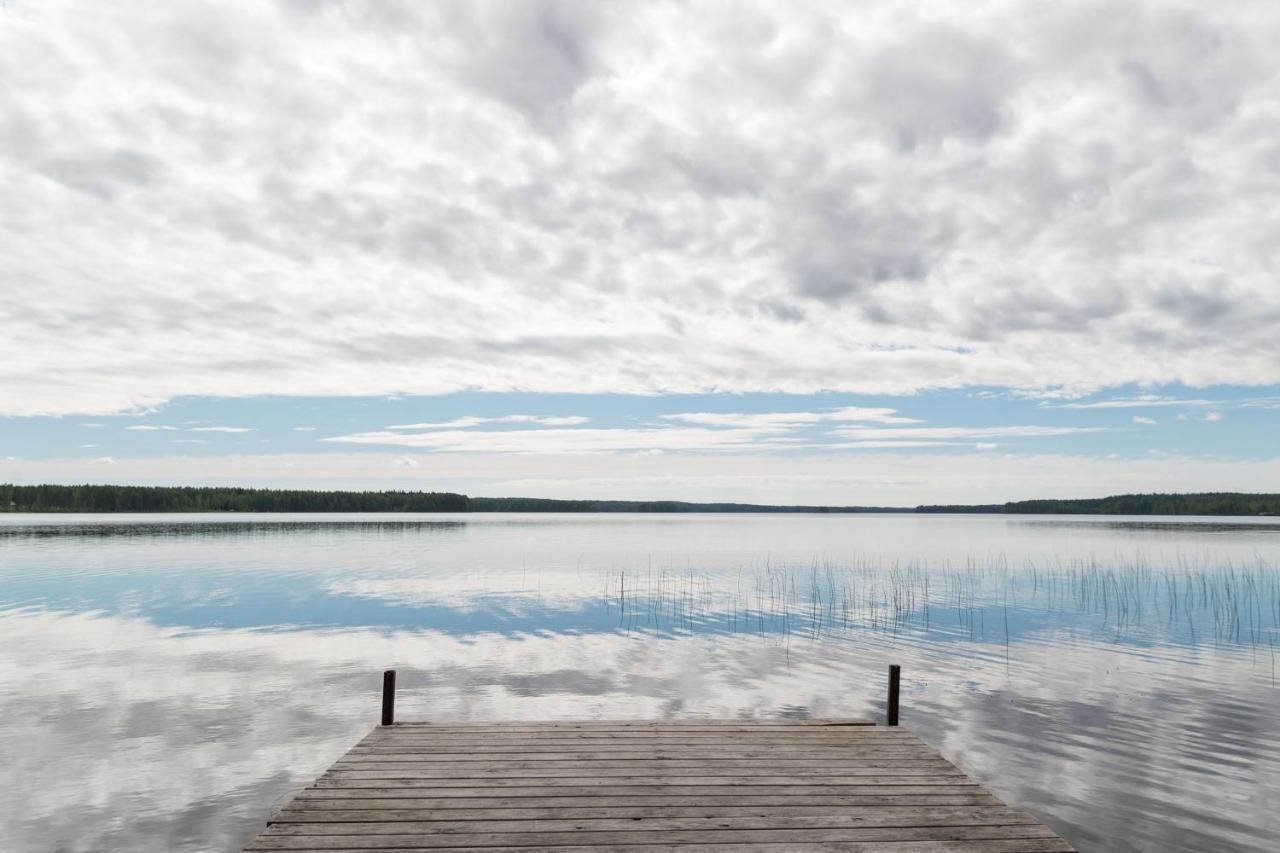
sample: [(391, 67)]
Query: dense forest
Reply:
[(553, 505), (1205, 503), (87, 498)]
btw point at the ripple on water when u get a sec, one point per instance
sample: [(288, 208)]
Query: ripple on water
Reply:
[(191, 672)]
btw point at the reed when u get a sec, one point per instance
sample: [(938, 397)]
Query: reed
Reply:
[(1188, 599)]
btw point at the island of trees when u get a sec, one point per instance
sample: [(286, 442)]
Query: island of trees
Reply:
[(102, 498)]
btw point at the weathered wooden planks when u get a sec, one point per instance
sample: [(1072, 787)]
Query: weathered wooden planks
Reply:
[(639, 786)]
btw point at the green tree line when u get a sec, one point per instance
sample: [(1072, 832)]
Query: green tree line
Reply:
[(1203, 503), (49, 498), (555, 505), (89, 498)]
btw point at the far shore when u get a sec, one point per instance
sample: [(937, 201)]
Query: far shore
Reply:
[(53, 498)]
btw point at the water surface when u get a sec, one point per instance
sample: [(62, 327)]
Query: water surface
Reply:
[(166, 680)]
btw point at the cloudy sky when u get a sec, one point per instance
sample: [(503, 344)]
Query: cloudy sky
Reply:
[(818, 252)]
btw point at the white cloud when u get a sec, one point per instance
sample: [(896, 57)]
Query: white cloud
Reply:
[(772, 421), (883, 444), (570, 440), (549, 196), (540, 420), (1213, 416), (943, 433), (872, 415), (304, 429), (788, 420), (1137, 403), (1261, 403), (157, 428), (846, 428), (1139, 419), (741, 433)]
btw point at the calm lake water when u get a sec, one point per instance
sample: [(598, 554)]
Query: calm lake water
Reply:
[(166, 681)]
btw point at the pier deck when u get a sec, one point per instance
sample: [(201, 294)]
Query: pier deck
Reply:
[(727, 786)]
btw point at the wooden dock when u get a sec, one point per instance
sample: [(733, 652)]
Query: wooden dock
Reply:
[(727, 786)]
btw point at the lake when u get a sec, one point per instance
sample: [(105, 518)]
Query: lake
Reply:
[(167, 680)]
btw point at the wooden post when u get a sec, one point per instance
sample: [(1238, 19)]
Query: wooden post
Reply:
[(388, 697), (891, 706)]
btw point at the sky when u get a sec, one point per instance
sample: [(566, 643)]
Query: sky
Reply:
[(874, 253)]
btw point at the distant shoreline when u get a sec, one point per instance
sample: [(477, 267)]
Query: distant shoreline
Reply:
[(52, 498)]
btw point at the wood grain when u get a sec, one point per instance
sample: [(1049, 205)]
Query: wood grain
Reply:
[(732, 786)]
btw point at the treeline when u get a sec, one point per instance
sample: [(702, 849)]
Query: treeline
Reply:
[(555, 505), (86, 498), (48, 498), (1204, 503)]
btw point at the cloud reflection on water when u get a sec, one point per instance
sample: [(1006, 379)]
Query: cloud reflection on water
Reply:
[(160, 694), (169, 739)]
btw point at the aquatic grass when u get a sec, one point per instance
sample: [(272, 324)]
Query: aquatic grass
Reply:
[(1187, 601)]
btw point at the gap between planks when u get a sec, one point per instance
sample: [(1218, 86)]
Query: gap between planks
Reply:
[(671, 837)]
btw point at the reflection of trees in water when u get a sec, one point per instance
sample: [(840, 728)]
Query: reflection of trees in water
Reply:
[(1186, 603), (1139, 525), (191, 529)]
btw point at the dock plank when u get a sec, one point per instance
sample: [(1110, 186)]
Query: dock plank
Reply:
[(629, 767), (731, 786), (630, 806), (411, 812), (497, 820), (671, 838), (1018, 845)]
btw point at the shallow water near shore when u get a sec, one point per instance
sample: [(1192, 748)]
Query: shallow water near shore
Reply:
[(166, 680)]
